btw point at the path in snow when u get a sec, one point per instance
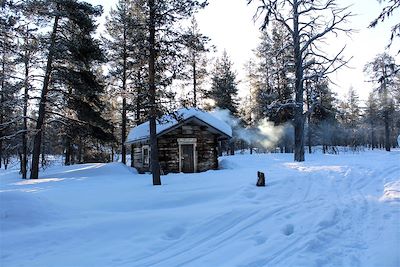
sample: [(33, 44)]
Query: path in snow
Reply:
[(331, 210)]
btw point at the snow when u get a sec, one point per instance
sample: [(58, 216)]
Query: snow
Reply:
[(332, 210), (391, 191), (142, 131)]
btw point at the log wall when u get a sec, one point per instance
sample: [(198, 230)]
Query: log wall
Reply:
[(168, 147)]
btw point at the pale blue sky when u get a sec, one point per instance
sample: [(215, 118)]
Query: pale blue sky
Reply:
[(230, 26)]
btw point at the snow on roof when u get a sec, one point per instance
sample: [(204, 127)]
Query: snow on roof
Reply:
[(142, 131)]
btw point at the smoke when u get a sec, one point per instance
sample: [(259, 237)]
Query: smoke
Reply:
[(264, 133)]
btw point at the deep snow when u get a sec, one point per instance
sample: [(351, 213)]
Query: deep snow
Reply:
[(332, 210)]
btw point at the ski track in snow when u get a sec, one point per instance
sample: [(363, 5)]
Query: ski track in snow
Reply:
[(340, 210)]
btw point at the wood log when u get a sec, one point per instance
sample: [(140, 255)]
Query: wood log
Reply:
[(261, 179)]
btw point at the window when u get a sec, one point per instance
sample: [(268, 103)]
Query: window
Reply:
[(146, 155)]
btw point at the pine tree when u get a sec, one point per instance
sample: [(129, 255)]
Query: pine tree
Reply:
[(28, 58), (282, 72), (322, 119), (70, 74), (386, 13), (351, 117), (196, 60), (262, 90), (382, 71), (9, 100), (125, 45), (272, 91), (306, 23), (163, 49), (371, 117)]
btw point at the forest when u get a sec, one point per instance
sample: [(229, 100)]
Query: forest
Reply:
[(68, 89)]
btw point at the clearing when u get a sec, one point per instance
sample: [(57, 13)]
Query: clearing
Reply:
[(332, 210)]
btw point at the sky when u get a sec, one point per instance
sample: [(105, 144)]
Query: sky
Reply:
[(231, 27)]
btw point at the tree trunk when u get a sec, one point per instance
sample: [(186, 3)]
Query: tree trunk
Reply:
[(67, 151), (6, 161), (372, 136), (42, 154), (308, 94), (386, 111), (298, 111), (123, 127), (138, 99), (80, 151), (123, 131), (37, 141), (387, 129), (155, 166), (194, 81), (3, 75), (132, 156), (309, 138), (232, 148), (299, 137), (24, 156), (1, 151)]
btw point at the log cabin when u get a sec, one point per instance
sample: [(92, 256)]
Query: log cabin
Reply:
[(187, 142)]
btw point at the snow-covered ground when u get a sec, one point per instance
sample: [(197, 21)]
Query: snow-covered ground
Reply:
[(332, 210)]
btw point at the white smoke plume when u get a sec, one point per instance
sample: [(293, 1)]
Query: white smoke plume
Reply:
[(264, 133)]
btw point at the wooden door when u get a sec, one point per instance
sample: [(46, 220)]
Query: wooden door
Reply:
[(187, 158)]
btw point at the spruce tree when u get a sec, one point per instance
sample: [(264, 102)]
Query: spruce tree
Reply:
[(224, 89)]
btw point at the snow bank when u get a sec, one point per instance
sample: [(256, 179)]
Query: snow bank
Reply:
[(391, 191), (24, 209)]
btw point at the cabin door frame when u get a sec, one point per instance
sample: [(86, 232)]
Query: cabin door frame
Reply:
[(187, 141)]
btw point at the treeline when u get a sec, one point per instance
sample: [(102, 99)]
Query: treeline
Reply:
[(68, 89), (329, 121)]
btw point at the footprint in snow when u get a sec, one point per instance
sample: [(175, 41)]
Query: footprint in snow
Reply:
[(387, 216), (259, 240), (174, 233), (249, 193), (288, 229)]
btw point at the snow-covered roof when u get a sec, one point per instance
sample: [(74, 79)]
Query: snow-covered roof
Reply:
[(142, 131)]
